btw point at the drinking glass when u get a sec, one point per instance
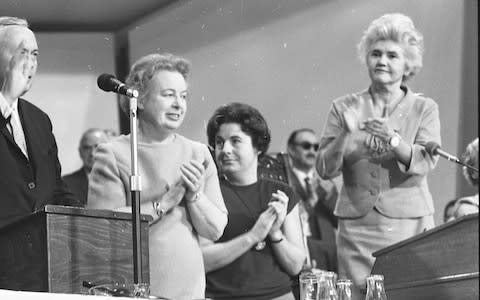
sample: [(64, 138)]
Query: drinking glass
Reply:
[(137, 290), (309, 286)]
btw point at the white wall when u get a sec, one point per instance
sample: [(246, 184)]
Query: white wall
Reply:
[(291, 58), (65, 88)]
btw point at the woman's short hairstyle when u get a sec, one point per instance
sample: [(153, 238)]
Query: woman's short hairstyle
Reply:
[(470, 157), (400, 29), (250, 120), (146, 67)]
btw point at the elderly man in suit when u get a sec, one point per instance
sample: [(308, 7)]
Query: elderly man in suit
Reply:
[(318, 199), (30, 170), (77, 181)]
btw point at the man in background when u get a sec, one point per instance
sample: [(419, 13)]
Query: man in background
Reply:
[(30, 171), (318, 200), (77, 181)]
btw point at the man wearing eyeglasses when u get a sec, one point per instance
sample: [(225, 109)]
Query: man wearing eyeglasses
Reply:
[(318, 200)]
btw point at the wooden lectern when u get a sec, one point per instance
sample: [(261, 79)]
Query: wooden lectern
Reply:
[(439, 264), (56, 248)]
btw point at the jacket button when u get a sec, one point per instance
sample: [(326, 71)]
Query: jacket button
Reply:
[(373, 192), (374, 174), (31, 185)]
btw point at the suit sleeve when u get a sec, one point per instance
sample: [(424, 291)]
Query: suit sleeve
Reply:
[(329, 166), (61, 194), (429, 131)]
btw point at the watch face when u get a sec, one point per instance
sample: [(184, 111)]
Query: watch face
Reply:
[(394, 141)]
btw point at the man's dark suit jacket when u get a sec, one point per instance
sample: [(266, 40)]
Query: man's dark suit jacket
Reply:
[(321, 244), (77, 182), (28, 184)]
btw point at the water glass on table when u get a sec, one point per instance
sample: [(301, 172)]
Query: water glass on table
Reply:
[(309, 286)]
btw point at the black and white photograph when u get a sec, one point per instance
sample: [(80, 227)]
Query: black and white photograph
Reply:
[(239, 149)]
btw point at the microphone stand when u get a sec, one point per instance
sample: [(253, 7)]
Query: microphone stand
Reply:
[(457, 161), (135, 188)]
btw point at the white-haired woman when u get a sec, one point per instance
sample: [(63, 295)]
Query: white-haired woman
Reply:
[(180, 187), (375, 139)]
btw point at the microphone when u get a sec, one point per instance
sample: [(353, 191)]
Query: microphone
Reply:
[(109, 83), (433, 149)]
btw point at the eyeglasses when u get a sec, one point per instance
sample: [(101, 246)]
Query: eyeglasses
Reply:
[(308, 146)]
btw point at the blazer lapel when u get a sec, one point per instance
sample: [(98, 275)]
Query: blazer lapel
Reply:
[(398, 117), (9, 136), (31, 135)]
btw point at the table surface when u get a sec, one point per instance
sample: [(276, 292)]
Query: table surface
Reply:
[(17, 295)]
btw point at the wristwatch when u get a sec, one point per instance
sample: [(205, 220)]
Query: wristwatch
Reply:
[(395, 140)]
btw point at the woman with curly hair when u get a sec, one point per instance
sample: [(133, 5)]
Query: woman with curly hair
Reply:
[(261, 246)]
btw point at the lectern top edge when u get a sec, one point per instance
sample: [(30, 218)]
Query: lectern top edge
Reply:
[(102, 213), (79, 211), (434, 230)]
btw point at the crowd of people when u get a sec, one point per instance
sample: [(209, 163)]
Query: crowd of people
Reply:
[(358, 187)]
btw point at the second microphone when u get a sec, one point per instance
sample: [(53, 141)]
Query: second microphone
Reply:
[(110, 83)]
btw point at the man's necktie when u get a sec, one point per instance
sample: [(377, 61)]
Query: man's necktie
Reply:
[(16, 132), (310, 189), (305, 210), (8, 125)]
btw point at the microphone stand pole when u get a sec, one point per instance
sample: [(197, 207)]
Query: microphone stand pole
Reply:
[(135, 188), (456, 160), (470, 167)]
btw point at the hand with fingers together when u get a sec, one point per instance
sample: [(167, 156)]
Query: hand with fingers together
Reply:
[(378, 127), (263, 225), (193, 176), (279, 203)]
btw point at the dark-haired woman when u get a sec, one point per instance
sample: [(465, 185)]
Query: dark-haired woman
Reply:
[(261, 245)]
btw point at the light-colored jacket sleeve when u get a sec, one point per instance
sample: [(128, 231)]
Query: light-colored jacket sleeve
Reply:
[(106, 189), (429, 131), (330, 160), (330, 166)]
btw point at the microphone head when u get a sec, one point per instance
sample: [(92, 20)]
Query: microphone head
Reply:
[(431, 148), (106, 82)]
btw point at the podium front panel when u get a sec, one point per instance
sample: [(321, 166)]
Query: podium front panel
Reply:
[(441, 263), (57, 248)]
